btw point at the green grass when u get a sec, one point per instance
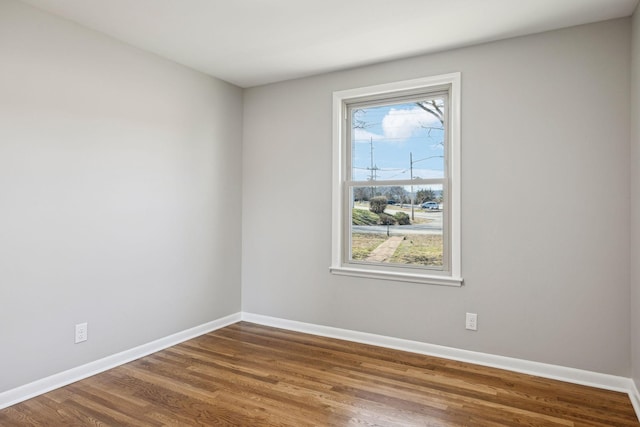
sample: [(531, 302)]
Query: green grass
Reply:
[(423, 249), (363, 217), (362, 244)]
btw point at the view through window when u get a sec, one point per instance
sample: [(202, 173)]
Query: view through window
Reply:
[(397, 181)]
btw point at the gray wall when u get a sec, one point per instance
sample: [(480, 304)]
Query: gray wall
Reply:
[(120, 180), (635, 198), (545, 219)]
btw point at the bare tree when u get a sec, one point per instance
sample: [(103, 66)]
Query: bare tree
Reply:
[(432, 108)]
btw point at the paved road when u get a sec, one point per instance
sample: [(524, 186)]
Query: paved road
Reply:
[(395, 230)]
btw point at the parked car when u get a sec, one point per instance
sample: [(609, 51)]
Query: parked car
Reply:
[(391, 202), (430, 205)]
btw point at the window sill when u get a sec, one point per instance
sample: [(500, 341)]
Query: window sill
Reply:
[(401, 277)]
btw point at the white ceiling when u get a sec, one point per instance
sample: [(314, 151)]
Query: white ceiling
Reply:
[(252, 42)]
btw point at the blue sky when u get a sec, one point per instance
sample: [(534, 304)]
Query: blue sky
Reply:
[(395, 131)]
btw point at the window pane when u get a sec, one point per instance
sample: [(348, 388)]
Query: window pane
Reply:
[(387, 228), (398, 141)]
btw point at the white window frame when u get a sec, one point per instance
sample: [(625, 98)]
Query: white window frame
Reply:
[(339, 263)]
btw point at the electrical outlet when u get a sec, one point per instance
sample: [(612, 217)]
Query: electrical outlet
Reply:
[(472, 321), (81, 332)]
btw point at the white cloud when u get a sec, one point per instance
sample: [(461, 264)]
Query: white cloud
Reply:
[(402, 124), (362, 135), (428, 173)]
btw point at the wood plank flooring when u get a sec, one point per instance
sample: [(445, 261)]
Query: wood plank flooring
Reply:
[(251, 375)]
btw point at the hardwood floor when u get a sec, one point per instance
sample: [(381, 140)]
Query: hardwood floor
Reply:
[(251, 375)]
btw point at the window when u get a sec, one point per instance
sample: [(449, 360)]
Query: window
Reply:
[(396, 188)]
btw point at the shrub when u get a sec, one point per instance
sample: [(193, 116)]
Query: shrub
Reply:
[(402, 218), (386, 219), (378, 204)]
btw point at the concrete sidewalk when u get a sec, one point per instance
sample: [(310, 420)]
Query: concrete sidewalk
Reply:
[(385, 251)]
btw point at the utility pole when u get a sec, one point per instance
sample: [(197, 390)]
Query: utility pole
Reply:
[(411, 172), (372, 170), (411, 162)]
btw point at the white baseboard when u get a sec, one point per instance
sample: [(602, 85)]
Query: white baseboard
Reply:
[(555, 372), (27, 391), (572, 375)]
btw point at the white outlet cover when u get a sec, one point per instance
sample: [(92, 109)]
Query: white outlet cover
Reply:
[(472, 321)]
